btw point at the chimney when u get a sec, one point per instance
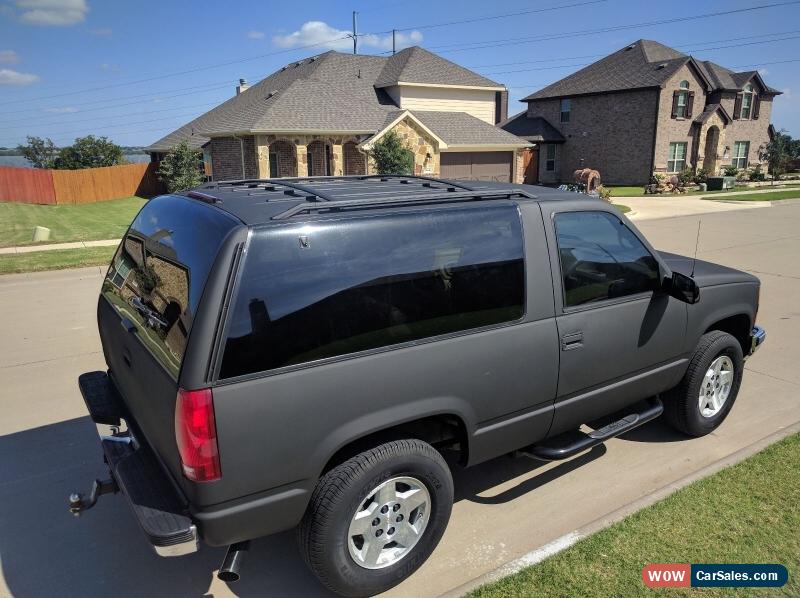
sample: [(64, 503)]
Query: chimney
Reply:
[(242, 86)]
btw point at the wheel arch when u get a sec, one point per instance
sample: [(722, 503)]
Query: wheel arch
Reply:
[(737, 325)]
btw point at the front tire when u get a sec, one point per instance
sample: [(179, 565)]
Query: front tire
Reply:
[(705, 396), (374, 519)]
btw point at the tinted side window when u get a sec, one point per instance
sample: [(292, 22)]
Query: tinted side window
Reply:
[(601, 258), (333, 288), (160, 269)]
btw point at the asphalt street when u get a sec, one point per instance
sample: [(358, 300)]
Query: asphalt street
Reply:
[(504, 508)]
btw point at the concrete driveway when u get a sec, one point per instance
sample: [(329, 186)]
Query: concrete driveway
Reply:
[(504, 508)]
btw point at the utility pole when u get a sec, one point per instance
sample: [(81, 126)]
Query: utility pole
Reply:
[(355, 33), (393, 36)]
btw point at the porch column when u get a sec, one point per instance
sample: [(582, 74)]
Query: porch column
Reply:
[(262, 156), (302, 159)]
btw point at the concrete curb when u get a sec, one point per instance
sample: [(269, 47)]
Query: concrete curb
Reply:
[(559, 544), (54, 246)]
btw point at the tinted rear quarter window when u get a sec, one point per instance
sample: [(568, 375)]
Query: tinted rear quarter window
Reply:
[(159, 271), (331, 288)]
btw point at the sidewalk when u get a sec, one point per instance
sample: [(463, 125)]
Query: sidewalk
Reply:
[(671, 206), (52, 246)]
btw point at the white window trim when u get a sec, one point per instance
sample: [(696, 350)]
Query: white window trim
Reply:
[(738, 161), (673, 156), (553, 159)]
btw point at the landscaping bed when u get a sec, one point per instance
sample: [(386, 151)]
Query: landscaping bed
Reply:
[(744, 514)]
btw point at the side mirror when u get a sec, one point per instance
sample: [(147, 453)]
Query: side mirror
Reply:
[(682, 287)]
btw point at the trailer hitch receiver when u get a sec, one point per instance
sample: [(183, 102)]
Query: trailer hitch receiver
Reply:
[(77, 502)]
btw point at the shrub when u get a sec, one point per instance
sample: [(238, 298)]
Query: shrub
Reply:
[(180, 168), (730, 170), (701, 176), (756, 174), (604, 193), (392, 156), (686, 177)]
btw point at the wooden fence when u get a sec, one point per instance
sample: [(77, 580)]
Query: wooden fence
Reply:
[(30, 185)]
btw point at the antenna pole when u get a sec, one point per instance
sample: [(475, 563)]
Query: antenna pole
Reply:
[(355, 33), (394, 31), (696, 245)]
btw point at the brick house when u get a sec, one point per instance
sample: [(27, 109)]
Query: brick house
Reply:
[(646, 108), (320, 116)]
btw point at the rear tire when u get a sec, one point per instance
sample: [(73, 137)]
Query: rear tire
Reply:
[(705, 396), (400, 490)]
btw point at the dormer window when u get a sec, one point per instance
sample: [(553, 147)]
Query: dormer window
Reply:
[(682, 101), (566, 107)]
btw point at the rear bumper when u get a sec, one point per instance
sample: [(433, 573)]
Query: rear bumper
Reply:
[(157, 504), (757, 337)]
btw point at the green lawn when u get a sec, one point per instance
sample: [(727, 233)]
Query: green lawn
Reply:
[(87, 222), (55, 260), (775, 195), (623, 191), (627, 191), (744, 514)]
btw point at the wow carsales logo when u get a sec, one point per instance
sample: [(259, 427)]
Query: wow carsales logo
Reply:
[(683, 575)]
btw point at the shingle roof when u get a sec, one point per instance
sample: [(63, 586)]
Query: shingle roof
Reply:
[(642, 64), (711, 109), (416, 65), (330, 92), (460, 128), (536, 129)]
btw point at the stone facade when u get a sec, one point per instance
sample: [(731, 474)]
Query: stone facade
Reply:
[(756, 131), (612, 133), (423, 146), (355, 162), (226, 158)]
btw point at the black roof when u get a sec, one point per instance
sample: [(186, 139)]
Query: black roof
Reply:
[(532, 128), (259, 201)]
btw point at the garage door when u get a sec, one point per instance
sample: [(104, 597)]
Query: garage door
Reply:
[(477, 166)]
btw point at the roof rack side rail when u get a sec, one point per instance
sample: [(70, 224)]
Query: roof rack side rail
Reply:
[(428, 179), (400, 201), (204, 197)]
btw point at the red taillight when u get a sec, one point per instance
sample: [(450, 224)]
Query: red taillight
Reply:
[(196, 435)]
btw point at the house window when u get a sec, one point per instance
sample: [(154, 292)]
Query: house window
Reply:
[(310, 162), (740, 151), (676, 160), (565, 110), (747, 101), (273, 165), (550, 158), (681, 110)]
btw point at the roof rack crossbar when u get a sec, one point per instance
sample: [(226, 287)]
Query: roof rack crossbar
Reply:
[(446, 197), (315, 194)]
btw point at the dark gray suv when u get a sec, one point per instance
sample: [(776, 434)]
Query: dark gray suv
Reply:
[(306, 352)]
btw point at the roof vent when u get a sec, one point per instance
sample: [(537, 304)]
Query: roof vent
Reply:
[(312, 59), (296, 64), (631, 47), (283, 68), (663, 65)]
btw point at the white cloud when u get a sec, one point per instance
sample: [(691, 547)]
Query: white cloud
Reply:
[(256, 35), (9, 57), (109, 68), (9, 77), (102, 31), (63, 110), (55, 13), (320, 34)]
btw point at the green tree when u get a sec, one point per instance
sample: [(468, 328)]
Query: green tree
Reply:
[(89, 152), (180, 168), (780, 150), (40, 152), (392, 156)]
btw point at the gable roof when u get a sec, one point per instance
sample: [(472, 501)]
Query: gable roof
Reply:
[(536, 129), (460, 128), (416, 65), (711, 109), (644, 64), (332, 92)]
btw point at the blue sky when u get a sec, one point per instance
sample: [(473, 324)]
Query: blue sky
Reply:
[(74, 67)]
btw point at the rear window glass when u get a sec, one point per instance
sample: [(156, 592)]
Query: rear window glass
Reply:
[(159, 271), (331, 288)]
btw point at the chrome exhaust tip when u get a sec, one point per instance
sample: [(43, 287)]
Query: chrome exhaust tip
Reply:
[(229, 571)]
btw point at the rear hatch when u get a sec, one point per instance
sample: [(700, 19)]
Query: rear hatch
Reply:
[(148, 302)]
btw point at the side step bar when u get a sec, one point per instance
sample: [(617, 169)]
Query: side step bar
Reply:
[(569, 444)]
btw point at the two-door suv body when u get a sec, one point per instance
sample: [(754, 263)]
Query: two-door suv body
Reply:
[(303, 352)]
